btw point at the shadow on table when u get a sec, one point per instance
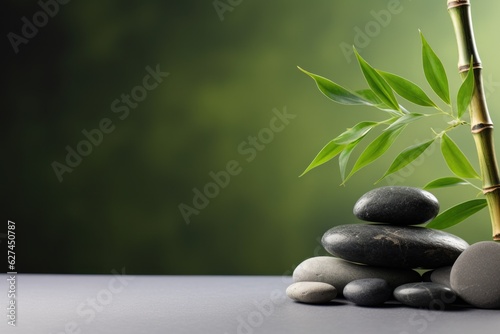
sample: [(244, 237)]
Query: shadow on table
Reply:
[(458, 306)]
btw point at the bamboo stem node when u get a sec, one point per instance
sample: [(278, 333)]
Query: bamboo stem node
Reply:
[(457, 3), (477, 128), (490, 189), (465, 68)]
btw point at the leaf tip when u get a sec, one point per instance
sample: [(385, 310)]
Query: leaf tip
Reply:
[(305, 171), (302, 70), (356, 52)]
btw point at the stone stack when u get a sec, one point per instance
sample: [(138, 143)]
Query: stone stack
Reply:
[(373, 262)]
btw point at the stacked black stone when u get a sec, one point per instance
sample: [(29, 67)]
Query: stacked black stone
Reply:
[(394, 242), (375, 261)]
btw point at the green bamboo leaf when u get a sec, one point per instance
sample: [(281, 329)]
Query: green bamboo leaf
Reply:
[(336, 92), (408, 90), (434, 71), (345, 155), (393, 112), (456, 160), (377, 83), (457, 214), (357, 131), (445, 182), (378, 147), (465, 92), (327, 153), (407, 156), (369, 95), (390, 111), (405, 119)]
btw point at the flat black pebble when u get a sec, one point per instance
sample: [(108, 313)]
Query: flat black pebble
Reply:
[(428, 295), (368, 292)]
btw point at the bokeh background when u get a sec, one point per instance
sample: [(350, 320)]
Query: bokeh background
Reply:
[(228, 71)]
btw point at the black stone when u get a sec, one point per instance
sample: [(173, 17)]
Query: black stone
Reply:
[(368, 291), (397, 206), (475, 276), (393, 246), (429, 295)]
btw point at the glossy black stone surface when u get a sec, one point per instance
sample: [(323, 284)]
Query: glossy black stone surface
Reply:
[(393, 246), (397, 205), (428, 295), (368, 291)]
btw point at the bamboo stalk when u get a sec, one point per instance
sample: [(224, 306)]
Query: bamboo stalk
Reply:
[(481, 124)]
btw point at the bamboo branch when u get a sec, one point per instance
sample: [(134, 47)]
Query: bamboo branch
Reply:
[(481, 124)]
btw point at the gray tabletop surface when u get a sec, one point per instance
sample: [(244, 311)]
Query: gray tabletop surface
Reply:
[(78, 304)]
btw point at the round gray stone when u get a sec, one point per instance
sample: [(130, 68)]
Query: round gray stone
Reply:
[(368, 291), (397, 205), (311, 292), (339, 273), (475, 276), (429, 295), (393, 246), (442, 276)]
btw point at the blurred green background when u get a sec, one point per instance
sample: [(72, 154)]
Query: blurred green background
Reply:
[(228, 71)]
